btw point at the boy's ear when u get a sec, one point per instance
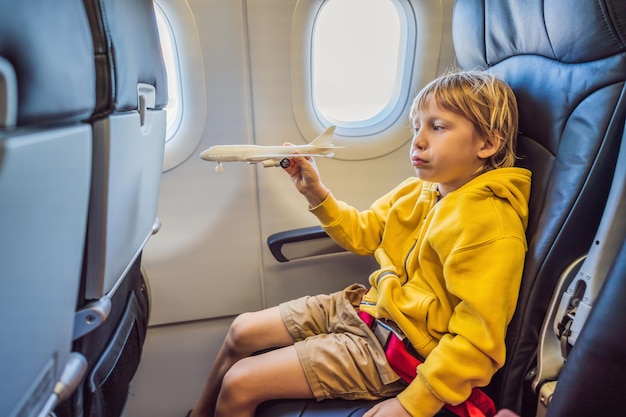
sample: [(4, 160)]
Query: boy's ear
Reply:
[(490, 146)]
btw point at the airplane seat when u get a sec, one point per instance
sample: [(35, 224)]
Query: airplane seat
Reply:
[(47, 92), (567, 66), (129, 125)]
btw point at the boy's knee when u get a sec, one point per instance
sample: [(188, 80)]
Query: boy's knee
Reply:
[(239, 333), (237, 389)]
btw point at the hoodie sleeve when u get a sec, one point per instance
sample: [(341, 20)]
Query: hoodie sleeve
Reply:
[(473, 349), (357, 231)]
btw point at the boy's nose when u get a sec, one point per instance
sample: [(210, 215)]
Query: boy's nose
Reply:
[(418, 142)]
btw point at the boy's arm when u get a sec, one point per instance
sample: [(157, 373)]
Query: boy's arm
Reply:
[(361, 232), (486, 281), (357, 231), (305, 176)]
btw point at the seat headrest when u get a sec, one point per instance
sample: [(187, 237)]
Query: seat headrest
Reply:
[(569, 32), (128, 53), (48, 45), (565, 61)]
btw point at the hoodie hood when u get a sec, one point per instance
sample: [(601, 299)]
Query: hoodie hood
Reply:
[(510, 184)]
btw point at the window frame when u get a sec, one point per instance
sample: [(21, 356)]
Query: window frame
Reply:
[(175, 125), (393, 109)]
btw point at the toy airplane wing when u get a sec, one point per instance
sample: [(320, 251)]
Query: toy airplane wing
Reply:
[(265, 157)]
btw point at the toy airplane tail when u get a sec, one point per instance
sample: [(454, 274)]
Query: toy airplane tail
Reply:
[(325, 140)]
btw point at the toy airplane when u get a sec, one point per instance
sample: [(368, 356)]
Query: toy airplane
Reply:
[(271, 156)]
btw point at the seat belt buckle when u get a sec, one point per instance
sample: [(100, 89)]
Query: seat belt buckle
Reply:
[(388, 327)]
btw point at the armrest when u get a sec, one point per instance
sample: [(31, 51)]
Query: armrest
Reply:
[(301, 243)]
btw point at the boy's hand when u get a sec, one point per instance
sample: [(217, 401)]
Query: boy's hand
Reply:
[(388, 408), (306, 178), (506, 413)]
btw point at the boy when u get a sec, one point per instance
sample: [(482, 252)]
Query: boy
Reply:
[(450, 244)]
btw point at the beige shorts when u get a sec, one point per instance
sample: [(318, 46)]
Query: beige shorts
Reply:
[(340, 355)]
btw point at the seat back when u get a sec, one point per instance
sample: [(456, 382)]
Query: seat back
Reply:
[(129, 137), (46, 92), (128, 125), (567, 66)]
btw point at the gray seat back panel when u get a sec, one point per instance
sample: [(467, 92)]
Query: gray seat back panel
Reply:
[(44, 192)]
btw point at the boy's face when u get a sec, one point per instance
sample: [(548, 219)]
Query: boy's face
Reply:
[(446, 148)]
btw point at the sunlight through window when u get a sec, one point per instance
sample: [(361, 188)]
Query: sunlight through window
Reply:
[(356, 62)]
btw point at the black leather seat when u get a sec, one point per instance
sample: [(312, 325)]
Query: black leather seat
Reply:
[(566, 63)]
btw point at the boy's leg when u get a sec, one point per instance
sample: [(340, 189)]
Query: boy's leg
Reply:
[(255, 379), (249, 333)]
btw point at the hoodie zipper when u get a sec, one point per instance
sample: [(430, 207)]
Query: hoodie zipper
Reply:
[(406, 262)]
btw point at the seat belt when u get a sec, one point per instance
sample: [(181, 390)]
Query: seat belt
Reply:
[(404, 360)]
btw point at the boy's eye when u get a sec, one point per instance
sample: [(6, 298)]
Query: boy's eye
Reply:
[(437, 127)]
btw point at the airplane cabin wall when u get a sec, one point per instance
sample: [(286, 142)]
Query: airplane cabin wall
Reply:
[(210, 261), (207, 249)]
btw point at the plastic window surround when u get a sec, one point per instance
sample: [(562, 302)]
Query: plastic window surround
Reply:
[(425, 24), (169, 49), (193, 101)]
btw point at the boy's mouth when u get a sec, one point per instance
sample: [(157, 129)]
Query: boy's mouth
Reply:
[(418, 162)]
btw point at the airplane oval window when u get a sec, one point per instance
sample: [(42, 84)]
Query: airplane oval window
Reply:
[(187, 105), (357, 64)]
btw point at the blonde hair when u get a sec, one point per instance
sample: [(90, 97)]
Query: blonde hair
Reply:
[(483, 99)]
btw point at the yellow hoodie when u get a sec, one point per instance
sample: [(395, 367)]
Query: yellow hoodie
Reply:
[(449, 274)]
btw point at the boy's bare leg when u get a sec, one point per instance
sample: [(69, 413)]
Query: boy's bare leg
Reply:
[(249, 333), (255, 379)]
